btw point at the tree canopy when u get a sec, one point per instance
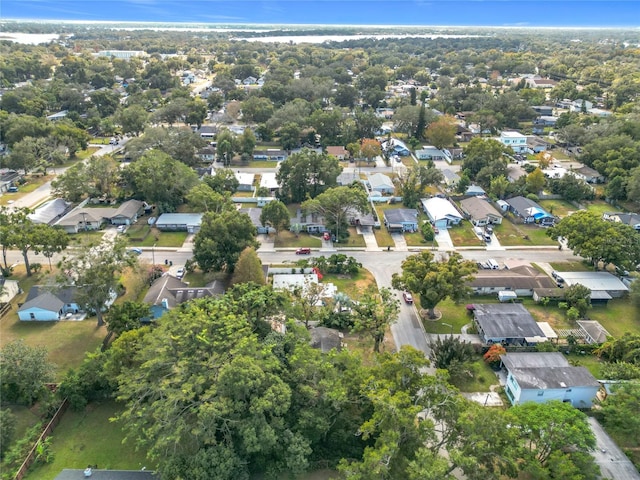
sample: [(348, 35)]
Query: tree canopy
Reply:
[(306, 175)]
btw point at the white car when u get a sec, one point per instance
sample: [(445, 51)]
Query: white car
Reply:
[(121, 228), (180, 272)]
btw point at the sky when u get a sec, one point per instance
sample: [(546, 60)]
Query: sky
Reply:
[(547, 13)]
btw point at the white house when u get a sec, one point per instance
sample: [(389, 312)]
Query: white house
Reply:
[(441, 212), (381, 183), (544, 376), (268, 181), (515, 140), (429, 152), (245, 181)]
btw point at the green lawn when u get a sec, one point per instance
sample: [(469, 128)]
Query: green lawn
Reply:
[(352, 285), (90, 438), (591, 362), (618, 317), (559, 208), (481, 378), (161, 239), (354, 240), (86, 238), (243, 194), (66, 342), (383, 237), (288, 239), (25, 419), (82, 154), (600, 207), (576, 266), (463, 235), (452, 314), (510, 234)]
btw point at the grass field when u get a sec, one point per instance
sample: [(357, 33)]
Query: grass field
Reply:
[(288, 239), (463, 236), (618, 317), (354, 240), (510, 234), (452, 314), (559, 208), (354, 285), (577, 266), (158, 238), (481, 378), (383, 237), (600, 206), (90, 438), (82, 154)]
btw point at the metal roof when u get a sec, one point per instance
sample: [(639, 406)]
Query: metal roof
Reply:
[(438, 208), (546, 370), (180, 219), (507, 320), (594, 281)]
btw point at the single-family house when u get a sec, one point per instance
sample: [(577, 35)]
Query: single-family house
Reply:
[(538, 82), (168, 291), (543, 109), (544, 376), (515, 140), (474, 191), (208, 131), (381, 184), (245, 181), (401, 220), (546, 120), (268, 180), (536, 144), (339, 152), (631, 219), (250, 80), (463, 134), (450, 177), (480, 211), (128, 212), (599, 112), (441, 212), (206, 154), (580, 105), (174, 222), (48, 304), (295, 281), (271, 154), (394, 146), (57, 116), (529, 211), (506, 323), (429, 152), (254, 215), (524, 280), (50, 212), (307, 222), (603, 285), (84, 219), (347, 178), (588, 174)]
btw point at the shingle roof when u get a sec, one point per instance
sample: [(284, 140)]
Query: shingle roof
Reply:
[(48, 297), (401, 215), (128, 209), (546, 370), (380, 180), (478, 208), (516, 278), (508, 320), (160, 290), (594, 329), (45, 301)]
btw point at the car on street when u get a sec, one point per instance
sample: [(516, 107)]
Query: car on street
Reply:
[(408, 298), (180, 272), (303, 251), (136, 251)]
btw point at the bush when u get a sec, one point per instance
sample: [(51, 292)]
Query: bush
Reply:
[(427, 232)]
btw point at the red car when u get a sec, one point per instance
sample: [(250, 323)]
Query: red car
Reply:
[(326, 236), (408, 298), (303, 251)]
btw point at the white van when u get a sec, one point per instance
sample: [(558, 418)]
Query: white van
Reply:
[(492, 264)]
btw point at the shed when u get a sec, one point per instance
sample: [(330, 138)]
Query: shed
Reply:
[(506, 295), (594, 332)]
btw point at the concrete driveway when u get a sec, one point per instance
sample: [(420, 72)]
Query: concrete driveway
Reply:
[(400, 241), (613, 463), (444, 240)]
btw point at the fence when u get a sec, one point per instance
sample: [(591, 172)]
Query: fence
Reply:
[(4, 308), (55, 420)]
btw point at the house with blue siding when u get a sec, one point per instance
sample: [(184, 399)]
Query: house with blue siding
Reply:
[(544, 376), (401, 219), (48, 304)]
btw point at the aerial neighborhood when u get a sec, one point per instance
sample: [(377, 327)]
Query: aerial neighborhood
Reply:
[(230, 257)]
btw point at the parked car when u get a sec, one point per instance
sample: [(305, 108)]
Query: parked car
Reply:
[(136, 251), (408, 298), (13, 189), (180, 272), (121, 228), (303, 251), (326, 236), (435, 230), (488, 229)]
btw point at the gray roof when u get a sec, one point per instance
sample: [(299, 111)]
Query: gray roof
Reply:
[(546, 370), (506, 320), (401, 215), (450, 175), (180, 219), (254, 214), (128, 209), (479, 208), (520, 277), (175, 291), (594, 281), (49, 211), (69, 474), (325, 339), (631, 219), (380, 180), (596, 331), (47, 297), (80, 215), (521, 204)]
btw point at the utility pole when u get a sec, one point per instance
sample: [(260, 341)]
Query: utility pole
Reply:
[(153, 254)]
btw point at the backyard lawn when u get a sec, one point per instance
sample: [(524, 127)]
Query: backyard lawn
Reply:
[(600, 207), (286, 239), (559, 208), (90, 438), (352, 285), (618, 317), (452, 314), (481, 378)]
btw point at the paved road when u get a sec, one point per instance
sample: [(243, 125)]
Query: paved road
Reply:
[(613, 463)]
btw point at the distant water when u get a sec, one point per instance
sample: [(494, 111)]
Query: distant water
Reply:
[(29, 38), (342, 38)]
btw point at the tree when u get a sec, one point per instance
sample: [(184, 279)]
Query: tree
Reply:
[(72, 184), (23, 155), (257, 109), (25, 370), (336, 204), (451, 353), (499, 186), (306, 175), (95, 272), (246, 143), (536, 181), (370, 149), (289, 135), (159, 179), (54, 241), (248, 269), (619, 411), (126, 316), (7, 429), (276, 215), (623, 349), (596, 239), (133, 119), (203, 198), (224, 181), (375, 312), (579, 297), (434, 281), (442, 132), (572, 188), (549, 429), (492, 356), (481, 153), (221, 239)]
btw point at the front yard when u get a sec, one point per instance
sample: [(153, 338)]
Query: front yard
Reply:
[(463, 235), (286, 239), (512, 235), (142, 235)]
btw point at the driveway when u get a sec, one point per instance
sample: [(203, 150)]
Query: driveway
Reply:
[(400, 241), (444, 240), (369, 239), (613, 463), (494, 244)]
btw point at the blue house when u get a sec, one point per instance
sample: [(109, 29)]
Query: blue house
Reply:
[(529, 211), (401, 220), (45, 304)]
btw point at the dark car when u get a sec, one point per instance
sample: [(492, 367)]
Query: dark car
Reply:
[(303, 251)]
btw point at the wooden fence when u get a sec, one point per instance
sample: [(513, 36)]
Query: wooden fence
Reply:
[(55, 420)]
